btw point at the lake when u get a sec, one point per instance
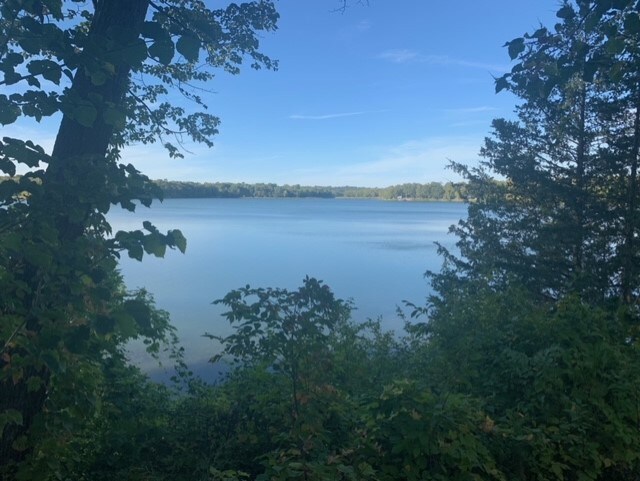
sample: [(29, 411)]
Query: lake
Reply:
[(373, 252)]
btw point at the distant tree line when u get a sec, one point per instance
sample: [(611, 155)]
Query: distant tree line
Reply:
[(173, 189), (448, 191)]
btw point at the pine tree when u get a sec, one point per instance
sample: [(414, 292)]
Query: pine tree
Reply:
[(555, 196)]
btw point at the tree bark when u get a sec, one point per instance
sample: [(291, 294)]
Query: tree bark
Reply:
[(120, 22), (79, 150), (628, 267), (578, 261)]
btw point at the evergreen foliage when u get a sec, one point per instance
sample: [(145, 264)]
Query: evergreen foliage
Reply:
[(565, 219)]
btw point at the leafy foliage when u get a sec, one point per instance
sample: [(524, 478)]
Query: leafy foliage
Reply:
[(558, 381), (108, 68), (526, 367)]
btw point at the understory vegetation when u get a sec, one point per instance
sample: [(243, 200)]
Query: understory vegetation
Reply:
[(524, 364), (493, 387)]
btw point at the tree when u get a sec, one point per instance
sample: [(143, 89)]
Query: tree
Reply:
[(561, 216), (107, 68), (287, 342), (286, 331), (536, 316)]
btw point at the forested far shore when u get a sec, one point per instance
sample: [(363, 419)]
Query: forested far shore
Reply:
[(448, 191), (434, 191)]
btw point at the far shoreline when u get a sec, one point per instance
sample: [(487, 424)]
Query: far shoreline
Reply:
[(408, 192)]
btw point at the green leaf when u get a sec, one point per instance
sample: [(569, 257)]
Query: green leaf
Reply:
[(10, 416), (135, 53), (590, 69), (11, 78), (51, 359), (115, 116), (591, 23), (516, 47), (34, 383), (34, 82), (135, 251), (178, 239), (9, 112), (163, 50), (501, 84), (30, 44), (146, 225), (617, 72), (13, 59), (104, 325), (565, 13), (126, 326), (140, 311), (7, 167), (155, 244), (189, 47), (49, 70), (23, 152), (615, 45), (98, 77), (632, 23), (85, 113), (36, 256)]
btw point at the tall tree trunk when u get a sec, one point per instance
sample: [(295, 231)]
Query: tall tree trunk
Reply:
[(77, 147), (580, 195), (117, 22), (628, 266)]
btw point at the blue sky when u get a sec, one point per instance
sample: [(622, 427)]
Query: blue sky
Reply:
[(378, 95)]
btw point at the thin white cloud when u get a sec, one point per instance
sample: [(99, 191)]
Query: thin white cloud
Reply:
[(446, 60), (413, 56), (400, 56), (326, 116), (471, 110), (420, 157), (422, 160), (470, 123), (363, 25)]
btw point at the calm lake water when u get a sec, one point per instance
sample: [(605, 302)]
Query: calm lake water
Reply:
[(373, 252)]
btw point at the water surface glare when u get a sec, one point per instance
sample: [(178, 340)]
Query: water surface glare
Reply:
[(373, 252)]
